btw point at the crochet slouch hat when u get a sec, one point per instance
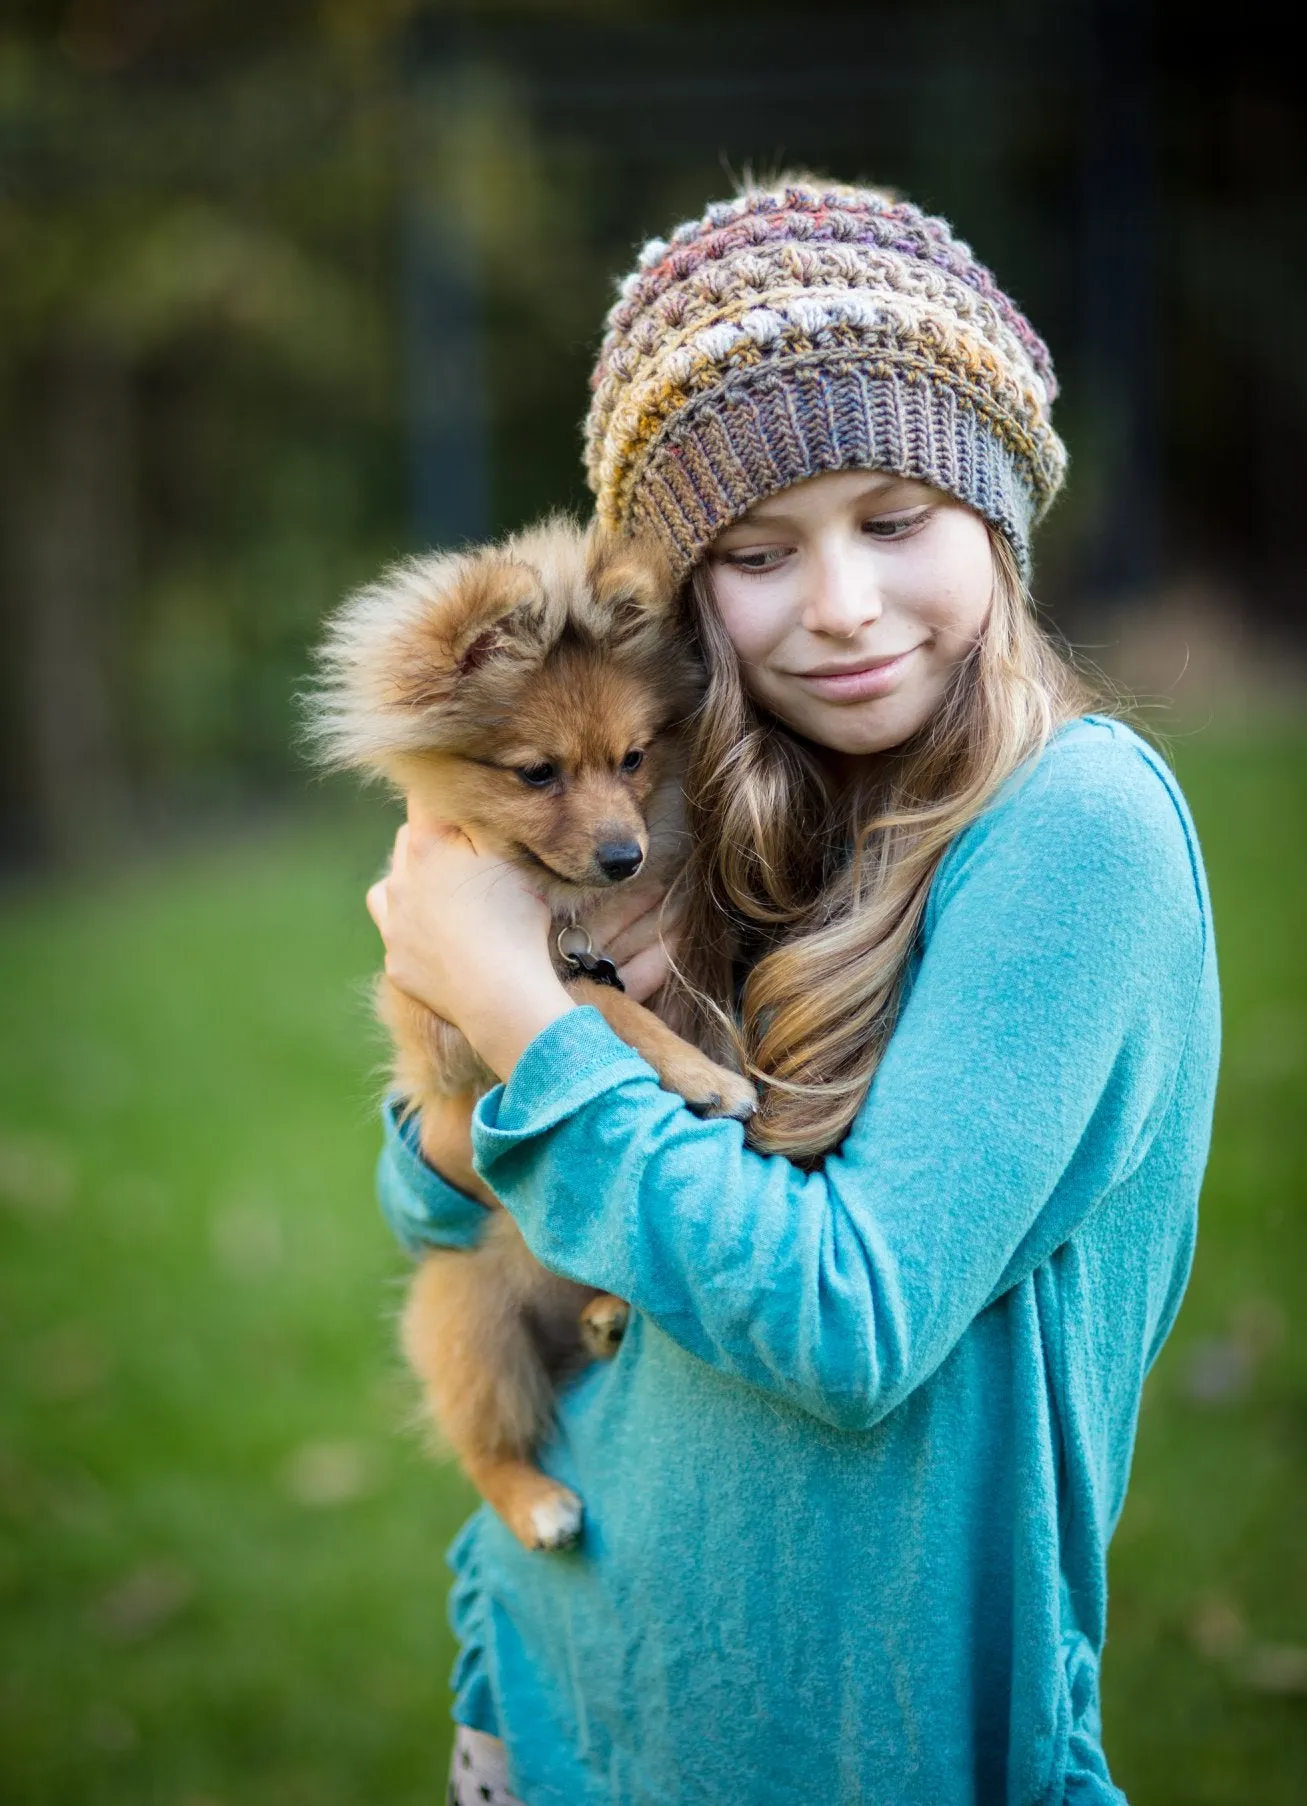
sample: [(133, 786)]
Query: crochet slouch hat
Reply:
[(807, 328)]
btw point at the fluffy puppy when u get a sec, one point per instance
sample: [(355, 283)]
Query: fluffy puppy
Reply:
[(535, 691)]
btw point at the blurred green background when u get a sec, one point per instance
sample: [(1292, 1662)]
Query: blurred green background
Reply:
[(286, 292)]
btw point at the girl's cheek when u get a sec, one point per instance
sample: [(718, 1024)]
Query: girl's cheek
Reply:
[(747, 620), (955, 613)]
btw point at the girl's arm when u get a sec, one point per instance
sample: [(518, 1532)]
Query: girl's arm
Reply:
[(429, 1190), (1066, 948)]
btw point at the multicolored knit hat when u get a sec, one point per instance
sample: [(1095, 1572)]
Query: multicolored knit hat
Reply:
[(807, 328)]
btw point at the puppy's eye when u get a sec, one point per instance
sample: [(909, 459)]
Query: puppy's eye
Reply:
[(537, 775), (633, 760)]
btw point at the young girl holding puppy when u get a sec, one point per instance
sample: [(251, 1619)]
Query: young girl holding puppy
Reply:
[(851, 1478)]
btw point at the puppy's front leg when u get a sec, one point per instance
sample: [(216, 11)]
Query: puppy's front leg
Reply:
[(709, 1089)]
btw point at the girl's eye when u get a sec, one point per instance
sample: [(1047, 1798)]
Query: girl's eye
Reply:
[(537, 776), (766, 560), (633, 760), (894, 526)]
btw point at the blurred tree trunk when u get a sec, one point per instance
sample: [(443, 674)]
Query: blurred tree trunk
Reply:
[(72, 517), (1120, 324)]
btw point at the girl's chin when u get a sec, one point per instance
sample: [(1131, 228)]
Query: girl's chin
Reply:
[(854, 729), (870, 727)]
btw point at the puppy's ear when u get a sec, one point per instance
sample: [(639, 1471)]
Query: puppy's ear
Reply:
[(493, 607), (501, 609), (631, 582)]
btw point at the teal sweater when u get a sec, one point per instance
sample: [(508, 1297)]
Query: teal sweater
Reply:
[(850, 1481)]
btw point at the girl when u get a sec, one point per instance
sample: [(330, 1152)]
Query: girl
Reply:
[(851, 1479)]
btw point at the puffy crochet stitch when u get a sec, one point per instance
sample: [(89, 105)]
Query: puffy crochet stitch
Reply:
[(807, 328)]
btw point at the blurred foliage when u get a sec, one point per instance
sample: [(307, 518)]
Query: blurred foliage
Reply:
[(215, 257), (221, 1573), (220, 248), (210, 378)]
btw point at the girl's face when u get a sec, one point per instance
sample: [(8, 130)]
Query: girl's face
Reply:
[(851, 599)]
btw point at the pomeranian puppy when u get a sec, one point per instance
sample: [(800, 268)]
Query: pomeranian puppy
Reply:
[(537, 692)]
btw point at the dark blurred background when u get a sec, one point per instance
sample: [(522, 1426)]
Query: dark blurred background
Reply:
[(287, 290)]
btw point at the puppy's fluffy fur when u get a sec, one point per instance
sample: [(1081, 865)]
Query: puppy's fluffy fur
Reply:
[(535, 691)]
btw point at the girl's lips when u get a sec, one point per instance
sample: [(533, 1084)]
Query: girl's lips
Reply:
[(857, 686)]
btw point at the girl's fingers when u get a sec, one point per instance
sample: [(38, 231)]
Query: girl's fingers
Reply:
[(644, 974), (647, 932), (436, 827), (422, 818), (629, 922)]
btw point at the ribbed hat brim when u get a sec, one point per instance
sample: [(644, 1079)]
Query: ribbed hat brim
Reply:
[(776, 424)]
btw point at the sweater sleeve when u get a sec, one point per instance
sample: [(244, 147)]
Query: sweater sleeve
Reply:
[(1031, 1063), (424, 1210)]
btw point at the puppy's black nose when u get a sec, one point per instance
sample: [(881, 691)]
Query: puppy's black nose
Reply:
[(619, 858)]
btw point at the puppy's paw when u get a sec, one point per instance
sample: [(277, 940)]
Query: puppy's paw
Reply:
[(603, 1324), (554, 1522), (709, 1089), (726, 1094)]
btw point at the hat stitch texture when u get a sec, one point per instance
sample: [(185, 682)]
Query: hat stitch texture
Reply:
[(809, 328)]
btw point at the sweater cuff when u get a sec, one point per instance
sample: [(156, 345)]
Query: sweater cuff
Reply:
[(571, 1062), (424, 1210)]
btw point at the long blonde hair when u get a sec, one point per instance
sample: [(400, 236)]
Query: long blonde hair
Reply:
[(819, 891)]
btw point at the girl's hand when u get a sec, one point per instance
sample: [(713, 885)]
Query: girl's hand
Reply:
[(629, 927), (467, 935)]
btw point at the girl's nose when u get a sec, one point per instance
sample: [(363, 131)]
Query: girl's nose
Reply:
[(842, 598)]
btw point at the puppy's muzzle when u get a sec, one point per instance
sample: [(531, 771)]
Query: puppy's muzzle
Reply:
[(619, 859)]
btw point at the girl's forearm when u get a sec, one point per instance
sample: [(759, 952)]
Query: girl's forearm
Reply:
[(502, 1027)]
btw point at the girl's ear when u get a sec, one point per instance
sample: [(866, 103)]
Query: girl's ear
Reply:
[(631, 582)]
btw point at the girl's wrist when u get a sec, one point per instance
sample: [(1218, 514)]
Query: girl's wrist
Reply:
[(502, 1032)]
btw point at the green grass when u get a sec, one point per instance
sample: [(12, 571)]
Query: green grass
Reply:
[(221, 1576), (1205, 1677)]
